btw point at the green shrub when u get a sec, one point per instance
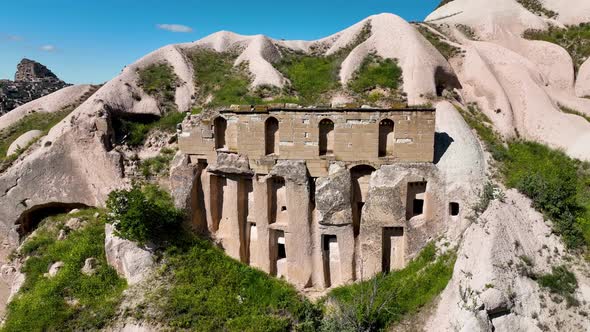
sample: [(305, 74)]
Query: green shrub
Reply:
[(552, 180), (208, 291), (560, 281), (311, 76), (143, 214), (375, 304), (41, 304), (575, 39), (216, 75), (536, 7), (157, 165), (376, 72), (159, 81)]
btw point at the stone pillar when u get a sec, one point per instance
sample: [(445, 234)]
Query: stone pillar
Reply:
[(298, 236), (260, 258), (232, 217)]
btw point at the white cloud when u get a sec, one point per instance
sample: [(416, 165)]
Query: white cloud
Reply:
[(174, 27), (14, 38), (47, 48)]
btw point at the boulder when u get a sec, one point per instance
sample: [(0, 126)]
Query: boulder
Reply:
[(90, 265), (129, 260), (23, 141), (333, 197), (495, 301), (232, 163), (54, 269), (75, 223)]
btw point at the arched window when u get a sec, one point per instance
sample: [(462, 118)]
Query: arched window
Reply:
[(271, 136), (326, 142), (386, 138), (219, 128)]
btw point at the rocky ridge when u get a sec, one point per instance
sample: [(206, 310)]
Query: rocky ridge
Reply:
[(31, 81)]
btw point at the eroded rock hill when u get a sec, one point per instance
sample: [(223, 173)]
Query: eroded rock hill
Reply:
[(31, 81)]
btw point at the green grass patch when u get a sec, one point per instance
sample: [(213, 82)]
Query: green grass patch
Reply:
[(485, 130), (575, 39), (133, 130), (208, 291), (159, 81), (568, 110), (311, 76), (376, 304), (314, 76), (34, 121), (158, 165), (558, 185), (537, 8), (376, 72), (447, 50), (216, 76), (42, 303), (562, 282)]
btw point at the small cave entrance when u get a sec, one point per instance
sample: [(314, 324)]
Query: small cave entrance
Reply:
[(131, 128), (454, 209), (360, 176), (445, 81), (30, 219)]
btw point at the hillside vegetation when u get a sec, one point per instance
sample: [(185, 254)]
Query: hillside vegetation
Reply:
[(575, 39), (34, 121), (558, 185), (376, 304), (71, 300), (159, 81)]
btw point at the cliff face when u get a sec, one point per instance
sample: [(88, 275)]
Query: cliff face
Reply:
[(31, 81)]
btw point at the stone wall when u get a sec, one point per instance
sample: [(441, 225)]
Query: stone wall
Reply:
[(316, 136)]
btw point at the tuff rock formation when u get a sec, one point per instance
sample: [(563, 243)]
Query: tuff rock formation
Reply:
[(31, 81), (519, 84)]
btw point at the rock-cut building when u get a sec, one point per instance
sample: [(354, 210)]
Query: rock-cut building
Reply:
[(320, 197)]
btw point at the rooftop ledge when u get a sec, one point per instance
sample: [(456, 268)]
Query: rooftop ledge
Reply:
[(319, 108)]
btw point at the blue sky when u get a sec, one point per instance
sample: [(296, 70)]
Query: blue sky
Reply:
[(90, 41)]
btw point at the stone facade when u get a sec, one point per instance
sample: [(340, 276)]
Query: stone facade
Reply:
[(320, 214), (361, 136)]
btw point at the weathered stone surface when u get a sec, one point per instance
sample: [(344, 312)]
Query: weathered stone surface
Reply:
[(231, 163), (75, 223), (333, 197), (495, 301), (89, 267), (291, 170), (54, 269), (23, 140), (131, 262), (491, 254)]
